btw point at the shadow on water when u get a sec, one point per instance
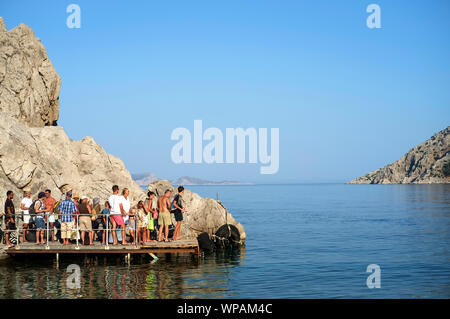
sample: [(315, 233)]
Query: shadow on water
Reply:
[(171, 276)]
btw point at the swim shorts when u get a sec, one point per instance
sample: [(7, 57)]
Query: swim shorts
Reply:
[(118, 219), (178, 215), (164, 219)]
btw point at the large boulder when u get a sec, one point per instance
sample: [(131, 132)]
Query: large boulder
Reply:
[(29, 85), (202, 214), (41, 158)]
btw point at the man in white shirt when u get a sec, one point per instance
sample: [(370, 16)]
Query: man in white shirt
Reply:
[(25, 204), (125, 208), (116, 214)]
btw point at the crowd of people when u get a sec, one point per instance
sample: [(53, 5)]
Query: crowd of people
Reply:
[(75, 217)]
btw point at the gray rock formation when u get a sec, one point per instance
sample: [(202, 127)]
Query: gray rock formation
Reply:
[(29, 85), (424, 164), (202, 214), (45, 157)]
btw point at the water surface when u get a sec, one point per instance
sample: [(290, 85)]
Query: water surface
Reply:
[(304, 241)]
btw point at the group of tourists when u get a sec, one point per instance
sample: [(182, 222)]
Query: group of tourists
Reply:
[(75, 216)]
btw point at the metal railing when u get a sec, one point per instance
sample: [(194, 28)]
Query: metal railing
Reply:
[(75, 216)]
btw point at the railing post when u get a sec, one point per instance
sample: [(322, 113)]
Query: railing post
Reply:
[(48, 216), (77, 233), (17, 232), (107, 233)]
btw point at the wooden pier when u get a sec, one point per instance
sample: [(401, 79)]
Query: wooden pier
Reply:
[(152, 248)]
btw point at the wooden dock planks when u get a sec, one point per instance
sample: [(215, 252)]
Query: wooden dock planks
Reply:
[(181, 246)]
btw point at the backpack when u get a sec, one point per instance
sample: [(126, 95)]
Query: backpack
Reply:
[(32, 209), (55, 210), (55, 207), (172, 206)]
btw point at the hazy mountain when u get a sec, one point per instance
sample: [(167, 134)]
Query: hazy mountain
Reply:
[(143, 179), (188, 180)]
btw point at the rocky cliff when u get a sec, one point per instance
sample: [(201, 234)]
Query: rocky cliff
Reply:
[(29, 85), (37, 154), (45, 157), (426, 163)]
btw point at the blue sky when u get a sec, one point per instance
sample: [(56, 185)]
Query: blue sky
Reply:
[(347, 99)]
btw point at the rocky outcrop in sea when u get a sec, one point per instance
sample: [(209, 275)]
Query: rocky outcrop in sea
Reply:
[(427, 163)]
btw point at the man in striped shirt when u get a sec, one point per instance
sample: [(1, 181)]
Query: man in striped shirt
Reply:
[(67, 208)]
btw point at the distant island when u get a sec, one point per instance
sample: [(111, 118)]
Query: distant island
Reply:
[(427, 163), (143, 179)]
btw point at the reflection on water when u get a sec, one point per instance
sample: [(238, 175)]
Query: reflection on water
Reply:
[(172, 276)]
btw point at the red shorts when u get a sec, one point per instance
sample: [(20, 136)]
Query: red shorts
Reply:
[(118, 219)]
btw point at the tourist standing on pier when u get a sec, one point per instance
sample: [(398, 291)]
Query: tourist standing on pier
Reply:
[(164, 219), (125, 209), (106, 220), (40, 209), (116, 215), (67, 208), (142, 222), (25, 205), (96, 211), (50, 205), (178, 212), (76, 234), (151, 208), (10, 217), (85, 221)]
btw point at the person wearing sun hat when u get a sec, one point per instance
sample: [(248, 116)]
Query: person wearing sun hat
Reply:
[(76, 200)]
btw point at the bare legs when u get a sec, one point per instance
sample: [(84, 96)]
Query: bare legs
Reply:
[(90, 234), (114, 225), (166, 228), (176, 233), (122, 227), (25, 232), (52, 232), (40, 232)]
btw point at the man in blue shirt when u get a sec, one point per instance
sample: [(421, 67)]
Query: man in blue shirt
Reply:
[(67, 208)]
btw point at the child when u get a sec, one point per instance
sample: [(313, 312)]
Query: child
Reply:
[(142, 220), (105, 216)]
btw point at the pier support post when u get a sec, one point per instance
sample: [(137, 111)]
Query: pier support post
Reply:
[(57, 260)]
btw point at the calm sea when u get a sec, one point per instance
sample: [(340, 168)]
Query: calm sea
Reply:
[(304, 241)]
